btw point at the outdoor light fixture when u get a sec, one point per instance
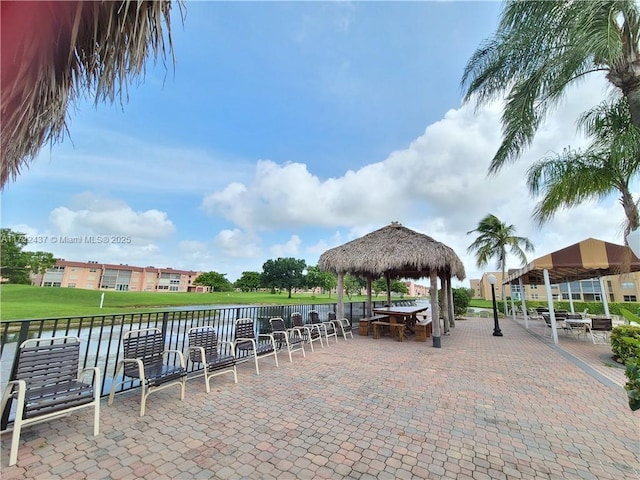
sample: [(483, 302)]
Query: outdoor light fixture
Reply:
[(496, 326), (633, 240)]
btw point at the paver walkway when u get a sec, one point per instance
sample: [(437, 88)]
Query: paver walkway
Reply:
[(481, 407)]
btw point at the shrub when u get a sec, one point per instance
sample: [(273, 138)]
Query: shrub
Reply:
[(625, 342)]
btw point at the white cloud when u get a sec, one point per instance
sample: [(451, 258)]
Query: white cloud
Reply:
[(237, 244), (94, 214), (437, 185), (290, 248)]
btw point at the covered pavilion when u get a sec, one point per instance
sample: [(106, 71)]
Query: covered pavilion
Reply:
[(590, 258), (396, 251)]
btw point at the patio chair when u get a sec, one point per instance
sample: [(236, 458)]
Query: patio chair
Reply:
[(547, 324), (600, 329), (310, 333), (49, 384), (257, 346), (145, 359), (534, 315), (342, 326), (204, 348), (328, 328), (289, 338)]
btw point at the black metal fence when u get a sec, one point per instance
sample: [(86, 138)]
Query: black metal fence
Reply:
[(101, 335)]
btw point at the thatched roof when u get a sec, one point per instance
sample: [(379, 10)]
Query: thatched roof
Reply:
[(393, 250), (54, 53)]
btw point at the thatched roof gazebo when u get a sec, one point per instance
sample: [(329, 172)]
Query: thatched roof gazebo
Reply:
[(396, 251), (54, 53)]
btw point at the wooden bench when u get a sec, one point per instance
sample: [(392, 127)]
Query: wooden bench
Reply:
[(423, 330), (365, 324), (394, 329), (144, 360), (48, 384)]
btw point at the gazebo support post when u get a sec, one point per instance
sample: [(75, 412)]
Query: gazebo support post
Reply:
[(369, 301), (340, 295), (605, 300), (570, 297), (452, 316), (388, 281), (524, 304), (435, 316), (445, 305), (552, 315)]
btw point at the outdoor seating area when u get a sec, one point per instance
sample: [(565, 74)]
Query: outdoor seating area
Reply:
[(578, 325), (405, 415), (48, 382), (400, 321)]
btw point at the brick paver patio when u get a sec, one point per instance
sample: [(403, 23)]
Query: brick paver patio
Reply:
[(481, 407)]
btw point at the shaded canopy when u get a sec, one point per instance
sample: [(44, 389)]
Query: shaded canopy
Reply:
[(587, 259), (394, 251), (54, 53)]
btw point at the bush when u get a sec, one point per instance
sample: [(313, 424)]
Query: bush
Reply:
[(625, 342)]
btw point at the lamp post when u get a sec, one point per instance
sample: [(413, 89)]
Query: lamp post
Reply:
[(496, 326)]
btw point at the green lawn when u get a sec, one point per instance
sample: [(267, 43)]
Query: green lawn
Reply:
[(25, 301)]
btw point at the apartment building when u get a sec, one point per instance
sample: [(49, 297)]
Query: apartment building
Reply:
[(618, 288), (103, 276), (416, 290)]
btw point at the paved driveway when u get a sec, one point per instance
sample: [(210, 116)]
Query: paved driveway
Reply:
[(480, 407)]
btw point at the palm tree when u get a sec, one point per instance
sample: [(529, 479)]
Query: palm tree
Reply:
[(492, 242), (55, 53), (540, 48), (608, 165)]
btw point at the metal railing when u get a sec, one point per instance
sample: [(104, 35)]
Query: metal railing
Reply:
[(101, 335)]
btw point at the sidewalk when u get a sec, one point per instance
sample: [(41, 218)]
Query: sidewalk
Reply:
[(481, 407)]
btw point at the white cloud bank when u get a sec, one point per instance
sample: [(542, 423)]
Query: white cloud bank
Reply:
[(437, 185)]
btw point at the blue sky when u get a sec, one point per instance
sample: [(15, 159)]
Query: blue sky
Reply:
[(287, 128)]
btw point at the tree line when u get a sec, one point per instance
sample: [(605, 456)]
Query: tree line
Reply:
[(290, 274)]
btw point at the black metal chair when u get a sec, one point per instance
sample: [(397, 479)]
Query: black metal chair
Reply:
[(204, 348)]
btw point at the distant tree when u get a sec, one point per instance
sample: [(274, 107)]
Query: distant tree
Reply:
[(378, 286), (217, 281), (399, 287), (248, 281), (316, 278), (353, 285), (16, 264), (283, 273), (492, 242)]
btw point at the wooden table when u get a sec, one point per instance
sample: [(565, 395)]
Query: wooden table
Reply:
[(406, 315)]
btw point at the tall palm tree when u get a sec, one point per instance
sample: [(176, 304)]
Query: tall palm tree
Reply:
[(540, 48), (54, 53), (492, 242), (609, 164)]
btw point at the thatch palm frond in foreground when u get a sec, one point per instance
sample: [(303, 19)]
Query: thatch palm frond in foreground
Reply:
[(54, 53)]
